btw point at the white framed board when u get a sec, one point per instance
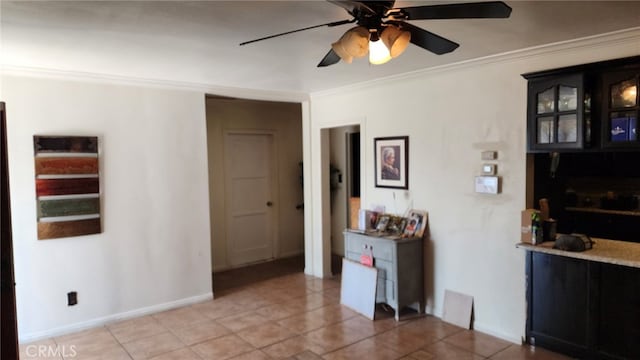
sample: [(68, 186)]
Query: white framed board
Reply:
[(358, 287)]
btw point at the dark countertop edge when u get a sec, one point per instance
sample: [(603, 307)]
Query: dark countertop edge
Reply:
[(608, 251)]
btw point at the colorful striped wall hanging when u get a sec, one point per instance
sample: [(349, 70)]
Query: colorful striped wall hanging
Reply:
[(67, 186)]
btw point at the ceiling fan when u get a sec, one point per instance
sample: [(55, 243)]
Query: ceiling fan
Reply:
[(383, 32)]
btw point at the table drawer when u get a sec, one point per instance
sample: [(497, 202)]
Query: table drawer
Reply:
[(385, 268), (382, 249)]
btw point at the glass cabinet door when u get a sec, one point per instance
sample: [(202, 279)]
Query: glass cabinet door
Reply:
[(567, 128), (623, 127), (567, 98), (546, 101), (556, 111), (620, 112), (545, 130), (624, 94)]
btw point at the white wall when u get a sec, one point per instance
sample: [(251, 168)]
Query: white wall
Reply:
[(154, 251), (451, 115), (285, 121)]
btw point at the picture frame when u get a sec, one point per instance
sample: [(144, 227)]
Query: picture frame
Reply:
[(413, 224), (421, 218), (383, 222), (391, 162), (396, 225)]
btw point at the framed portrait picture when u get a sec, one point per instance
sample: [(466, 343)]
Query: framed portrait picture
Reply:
[(391, 162)]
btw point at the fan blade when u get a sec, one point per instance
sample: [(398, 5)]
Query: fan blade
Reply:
[(491, 9), (329, 59), (331, 24), (352, 7), (427, 40)]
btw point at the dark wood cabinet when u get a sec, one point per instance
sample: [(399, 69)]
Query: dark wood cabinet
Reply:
[(582, 308), (559, 113), (558, 303), (620, 108), (591, 107), (619, 312)]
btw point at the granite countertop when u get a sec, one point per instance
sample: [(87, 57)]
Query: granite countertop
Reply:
[(604, 250)]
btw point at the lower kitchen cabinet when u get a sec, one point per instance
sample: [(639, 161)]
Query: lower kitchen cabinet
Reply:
[(558, 303), (585, 309), (619, 320)]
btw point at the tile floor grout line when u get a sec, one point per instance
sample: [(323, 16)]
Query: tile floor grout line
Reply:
[(461, 348), (325, 293), (141, 338)]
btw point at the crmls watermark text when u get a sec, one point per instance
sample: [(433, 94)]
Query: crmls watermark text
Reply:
[(66, 351)]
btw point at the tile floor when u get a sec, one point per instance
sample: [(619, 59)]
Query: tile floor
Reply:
[(291, 316)]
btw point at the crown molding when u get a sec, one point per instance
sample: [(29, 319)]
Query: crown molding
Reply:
[(209, 89), (629, 37)]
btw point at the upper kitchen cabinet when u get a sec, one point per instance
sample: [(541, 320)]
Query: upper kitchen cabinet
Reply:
[(559, 113), (620, 108), (592, 107)]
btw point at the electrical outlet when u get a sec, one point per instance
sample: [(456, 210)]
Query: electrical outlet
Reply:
[(72, 298)]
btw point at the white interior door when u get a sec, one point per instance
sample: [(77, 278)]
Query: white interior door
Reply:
[(249, 203)]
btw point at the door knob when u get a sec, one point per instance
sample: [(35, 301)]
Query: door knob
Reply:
[(269, 203)]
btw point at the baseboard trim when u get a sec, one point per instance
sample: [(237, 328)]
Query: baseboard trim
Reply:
[(280, 257), (437, 312), (490, 331), (290, 254), (101, 321)]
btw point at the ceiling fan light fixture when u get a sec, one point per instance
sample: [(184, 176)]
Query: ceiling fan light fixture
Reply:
[(339, 49), (395, 39), (378, 51), (353, 43)]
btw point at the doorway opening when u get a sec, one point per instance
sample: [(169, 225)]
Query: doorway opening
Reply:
[(255, 192), (344, 187)]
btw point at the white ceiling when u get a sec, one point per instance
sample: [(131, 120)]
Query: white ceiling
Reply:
[(197, 42)]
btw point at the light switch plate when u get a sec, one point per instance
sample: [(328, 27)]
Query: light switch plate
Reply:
[(487, 184), (488, 169), (489, 155)]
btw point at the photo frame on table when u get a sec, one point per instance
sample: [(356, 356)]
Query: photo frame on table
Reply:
[(418, 220), (383, 222), (396, 225), (391, 162)]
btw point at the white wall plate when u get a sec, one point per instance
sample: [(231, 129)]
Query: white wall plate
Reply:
[(489, 169), (487, 184)]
